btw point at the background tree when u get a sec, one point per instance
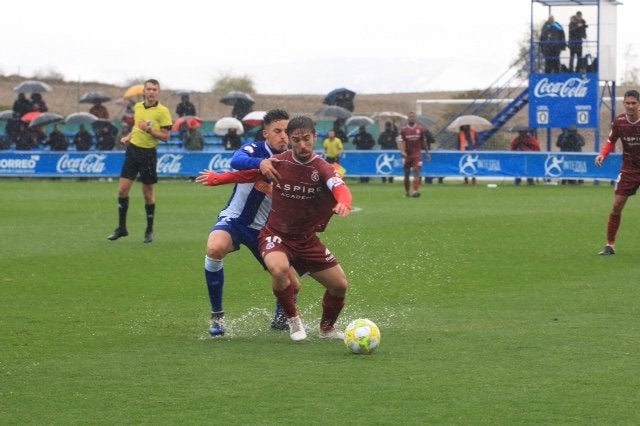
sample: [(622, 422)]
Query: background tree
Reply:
[(227, 82)]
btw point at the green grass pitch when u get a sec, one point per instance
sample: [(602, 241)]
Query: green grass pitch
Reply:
[(493, 305)]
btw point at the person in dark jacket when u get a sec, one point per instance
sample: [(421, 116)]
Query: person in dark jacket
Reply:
[(37, 103), (22, 105), (57, 140), (363, 141), (83, 139), (185, 107), (552, 42)]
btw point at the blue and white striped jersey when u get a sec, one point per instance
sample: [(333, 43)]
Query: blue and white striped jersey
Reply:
[(246, 203)]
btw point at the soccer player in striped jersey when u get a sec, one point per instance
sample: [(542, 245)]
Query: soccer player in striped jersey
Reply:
[(625, 127), (244, 216)]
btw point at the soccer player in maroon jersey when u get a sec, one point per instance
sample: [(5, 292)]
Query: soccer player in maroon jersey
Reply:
[(412, 142), (625, 127), (307, 191)]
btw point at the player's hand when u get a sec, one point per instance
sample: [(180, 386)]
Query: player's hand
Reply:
[(599, 160), (268, 170), (341, 210), (125, 139), (203, 177)]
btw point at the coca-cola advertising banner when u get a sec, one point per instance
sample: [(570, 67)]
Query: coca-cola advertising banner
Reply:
[(105, 164), (356, 163), (563, 100)]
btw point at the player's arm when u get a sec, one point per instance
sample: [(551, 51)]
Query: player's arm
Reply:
[(342, 195), (211, 178), (244, 159), (604, 152), (402, 147), (425, 146)]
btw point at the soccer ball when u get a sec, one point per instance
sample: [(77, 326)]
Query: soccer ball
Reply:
[(362, 336)]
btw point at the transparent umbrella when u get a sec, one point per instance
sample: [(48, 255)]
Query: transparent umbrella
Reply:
[(80, 118), (476, 123), (32, 86), (93, 97), (333, 111)]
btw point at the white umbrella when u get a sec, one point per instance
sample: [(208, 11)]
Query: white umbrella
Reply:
[(225, 123), (476, 123), (359, 120), (390, 116), (254, 118)]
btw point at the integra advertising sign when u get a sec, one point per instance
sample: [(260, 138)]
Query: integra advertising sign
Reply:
[(563, 100)]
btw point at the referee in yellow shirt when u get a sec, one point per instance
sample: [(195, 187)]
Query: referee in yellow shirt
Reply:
[(152, 123), (332, 147)]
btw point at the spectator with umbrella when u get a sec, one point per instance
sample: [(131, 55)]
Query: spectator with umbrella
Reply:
[(57, 140), (363, 141), (106, 134), (99, 110), (22, 105), (231, 141), (387, 140), (37, 103), (83, 139)]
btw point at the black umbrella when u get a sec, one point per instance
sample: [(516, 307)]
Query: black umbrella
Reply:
[(235, 96), (100, 125), (93, 97), (333, 111), (338, 96), (46, 118)]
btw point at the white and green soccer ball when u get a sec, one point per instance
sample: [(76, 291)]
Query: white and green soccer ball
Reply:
[(362, 336)]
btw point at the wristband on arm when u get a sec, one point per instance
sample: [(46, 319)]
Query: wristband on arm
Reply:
[(243, 176), (342, 195), (606, 149)]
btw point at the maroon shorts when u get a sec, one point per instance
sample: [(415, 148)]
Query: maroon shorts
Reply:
[(306, 255), (413, 161), (627, 183)]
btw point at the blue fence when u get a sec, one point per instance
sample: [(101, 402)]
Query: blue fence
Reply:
[(496, 164)]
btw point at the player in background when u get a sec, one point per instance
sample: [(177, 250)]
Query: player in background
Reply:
[(306, 194), (245, 215), (412, 142), (625, 127)]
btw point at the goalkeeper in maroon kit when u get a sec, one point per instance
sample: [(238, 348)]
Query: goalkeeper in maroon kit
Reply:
[(307, 191), (625, 127)]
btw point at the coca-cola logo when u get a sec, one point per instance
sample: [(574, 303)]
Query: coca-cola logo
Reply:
[(220, 163), (169, 164), (573, 87), (87, 164)]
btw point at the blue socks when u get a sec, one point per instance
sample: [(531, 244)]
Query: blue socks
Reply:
[(214, 276)]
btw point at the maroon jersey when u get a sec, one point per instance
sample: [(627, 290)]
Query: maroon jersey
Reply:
[(413, 137), (302, 200), (629, 134)]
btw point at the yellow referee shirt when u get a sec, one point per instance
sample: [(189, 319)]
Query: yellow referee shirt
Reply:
[(159, 116)]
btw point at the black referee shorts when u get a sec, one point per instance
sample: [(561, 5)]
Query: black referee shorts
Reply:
[(140, 161)]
